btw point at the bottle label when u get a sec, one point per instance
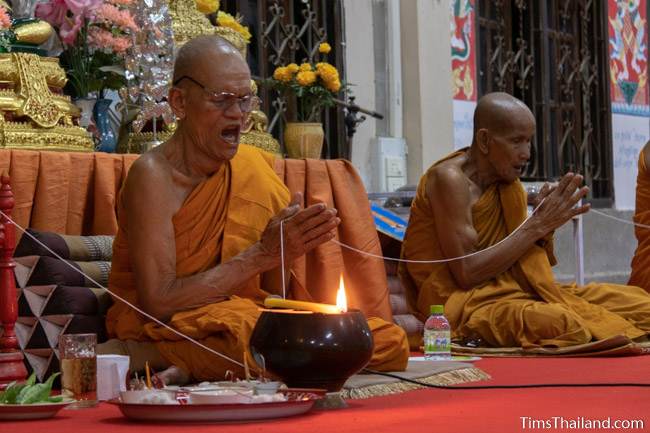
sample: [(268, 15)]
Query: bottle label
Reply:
[(437, 342)]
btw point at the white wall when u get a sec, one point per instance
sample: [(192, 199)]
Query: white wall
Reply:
[(360, 71), (629, 135), (426, 77)]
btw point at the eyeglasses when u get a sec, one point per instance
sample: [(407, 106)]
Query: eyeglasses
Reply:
[(224, 100)]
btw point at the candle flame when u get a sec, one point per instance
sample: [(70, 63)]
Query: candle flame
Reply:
[(341, 299)]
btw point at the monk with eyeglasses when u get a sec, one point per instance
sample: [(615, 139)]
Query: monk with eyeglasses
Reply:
[(198, 243)]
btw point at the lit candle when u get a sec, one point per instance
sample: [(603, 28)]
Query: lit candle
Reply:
[(341, 299), (301, 305)]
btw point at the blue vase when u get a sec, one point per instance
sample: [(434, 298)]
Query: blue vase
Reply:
[(107, 137)]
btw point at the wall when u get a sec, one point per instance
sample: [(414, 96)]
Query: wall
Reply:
[(463, 69), (426, 72), (360, 71), (629, 92)]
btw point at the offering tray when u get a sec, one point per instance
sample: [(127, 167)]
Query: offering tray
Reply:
[(299, 401), (31, 411)]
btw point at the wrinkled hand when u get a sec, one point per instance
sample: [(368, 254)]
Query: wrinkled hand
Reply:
[(544, 192), (304, 229), (559, 204)]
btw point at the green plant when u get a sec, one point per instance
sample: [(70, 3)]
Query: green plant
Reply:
[(30, 392)]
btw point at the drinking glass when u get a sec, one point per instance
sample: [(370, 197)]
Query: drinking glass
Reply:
[(79, 369)]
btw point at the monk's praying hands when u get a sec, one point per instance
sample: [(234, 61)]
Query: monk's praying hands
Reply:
[(304, 229), (557, 205)]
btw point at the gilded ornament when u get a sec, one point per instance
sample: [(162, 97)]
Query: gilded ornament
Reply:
[(34, 33), (46, 117)]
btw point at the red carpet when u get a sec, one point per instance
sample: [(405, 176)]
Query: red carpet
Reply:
[(434, 410)]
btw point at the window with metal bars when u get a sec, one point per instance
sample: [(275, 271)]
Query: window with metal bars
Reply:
[(285, 31), (552, 54)]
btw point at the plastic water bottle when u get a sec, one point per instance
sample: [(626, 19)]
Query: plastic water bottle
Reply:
[(437, 335)]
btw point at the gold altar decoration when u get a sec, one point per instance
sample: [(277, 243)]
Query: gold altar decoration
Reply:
[(34, 117), (34, 33), (140, 142)]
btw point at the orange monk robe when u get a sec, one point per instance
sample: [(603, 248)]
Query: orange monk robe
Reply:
[(641, 261), (523, 306), (223, 216)]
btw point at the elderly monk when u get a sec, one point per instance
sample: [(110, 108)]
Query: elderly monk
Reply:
[(641, 261), (506, 296), (199, 227)]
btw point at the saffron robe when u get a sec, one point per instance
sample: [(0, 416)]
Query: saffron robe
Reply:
[(522, 306), (640, 275), (222, 216)]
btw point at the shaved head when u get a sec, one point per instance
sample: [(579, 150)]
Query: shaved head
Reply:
[(503, 131), (211, 85), (201, 50), (500, 112)]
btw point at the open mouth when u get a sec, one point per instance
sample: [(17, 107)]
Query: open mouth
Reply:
[(231, 134)]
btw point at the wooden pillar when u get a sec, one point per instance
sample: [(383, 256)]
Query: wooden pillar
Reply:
[(12, 366)]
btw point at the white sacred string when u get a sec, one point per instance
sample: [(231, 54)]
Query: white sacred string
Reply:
[(201, 345), (643, 226), (394, 259), (118, 297), (284, 285)]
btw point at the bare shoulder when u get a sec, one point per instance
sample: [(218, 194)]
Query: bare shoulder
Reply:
[(447, 179), (150, 178)]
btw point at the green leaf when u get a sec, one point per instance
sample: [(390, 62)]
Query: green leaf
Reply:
[(55, 399), (31, 379), (35, 393)]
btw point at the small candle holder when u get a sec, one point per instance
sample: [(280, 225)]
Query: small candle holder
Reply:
[(313, 350)]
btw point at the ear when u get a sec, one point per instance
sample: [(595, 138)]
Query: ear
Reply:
[(176, 100), (483, 139)]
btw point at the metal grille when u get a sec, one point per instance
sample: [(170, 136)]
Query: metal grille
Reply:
[(553, 55), (286, 31)]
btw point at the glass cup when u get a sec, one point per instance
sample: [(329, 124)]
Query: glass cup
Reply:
[(79, 369)]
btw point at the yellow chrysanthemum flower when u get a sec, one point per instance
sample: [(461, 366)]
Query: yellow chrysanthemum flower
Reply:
[(324, 48), (207, 6), (282, 73), (333, 86), (293, 68), (306, 78), (226, 20), (305, 67)]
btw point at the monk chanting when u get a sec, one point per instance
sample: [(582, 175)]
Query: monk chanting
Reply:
[(641, 261), (506, 296), (198, 245)]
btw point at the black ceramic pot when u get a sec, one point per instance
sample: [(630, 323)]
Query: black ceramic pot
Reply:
[(313, 350)]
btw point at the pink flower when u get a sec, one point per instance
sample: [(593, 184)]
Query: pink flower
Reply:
[(82, 7), (53, 12), (120, 45), (5, 20), (114, 16), (69, 29)]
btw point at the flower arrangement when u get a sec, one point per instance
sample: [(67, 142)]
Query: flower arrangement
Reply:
[(95, 35), (315, 86), (224, 19)]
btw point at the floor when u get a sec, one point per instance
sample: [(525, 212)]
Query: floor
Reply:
[(436, 410)]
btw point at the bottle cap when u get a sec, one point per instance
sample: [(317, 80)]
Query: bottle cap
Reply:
[(437, 309)]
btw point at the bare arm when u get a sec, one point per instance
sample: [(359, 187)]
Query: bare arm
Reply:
[(149, 198), (449, 195)]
